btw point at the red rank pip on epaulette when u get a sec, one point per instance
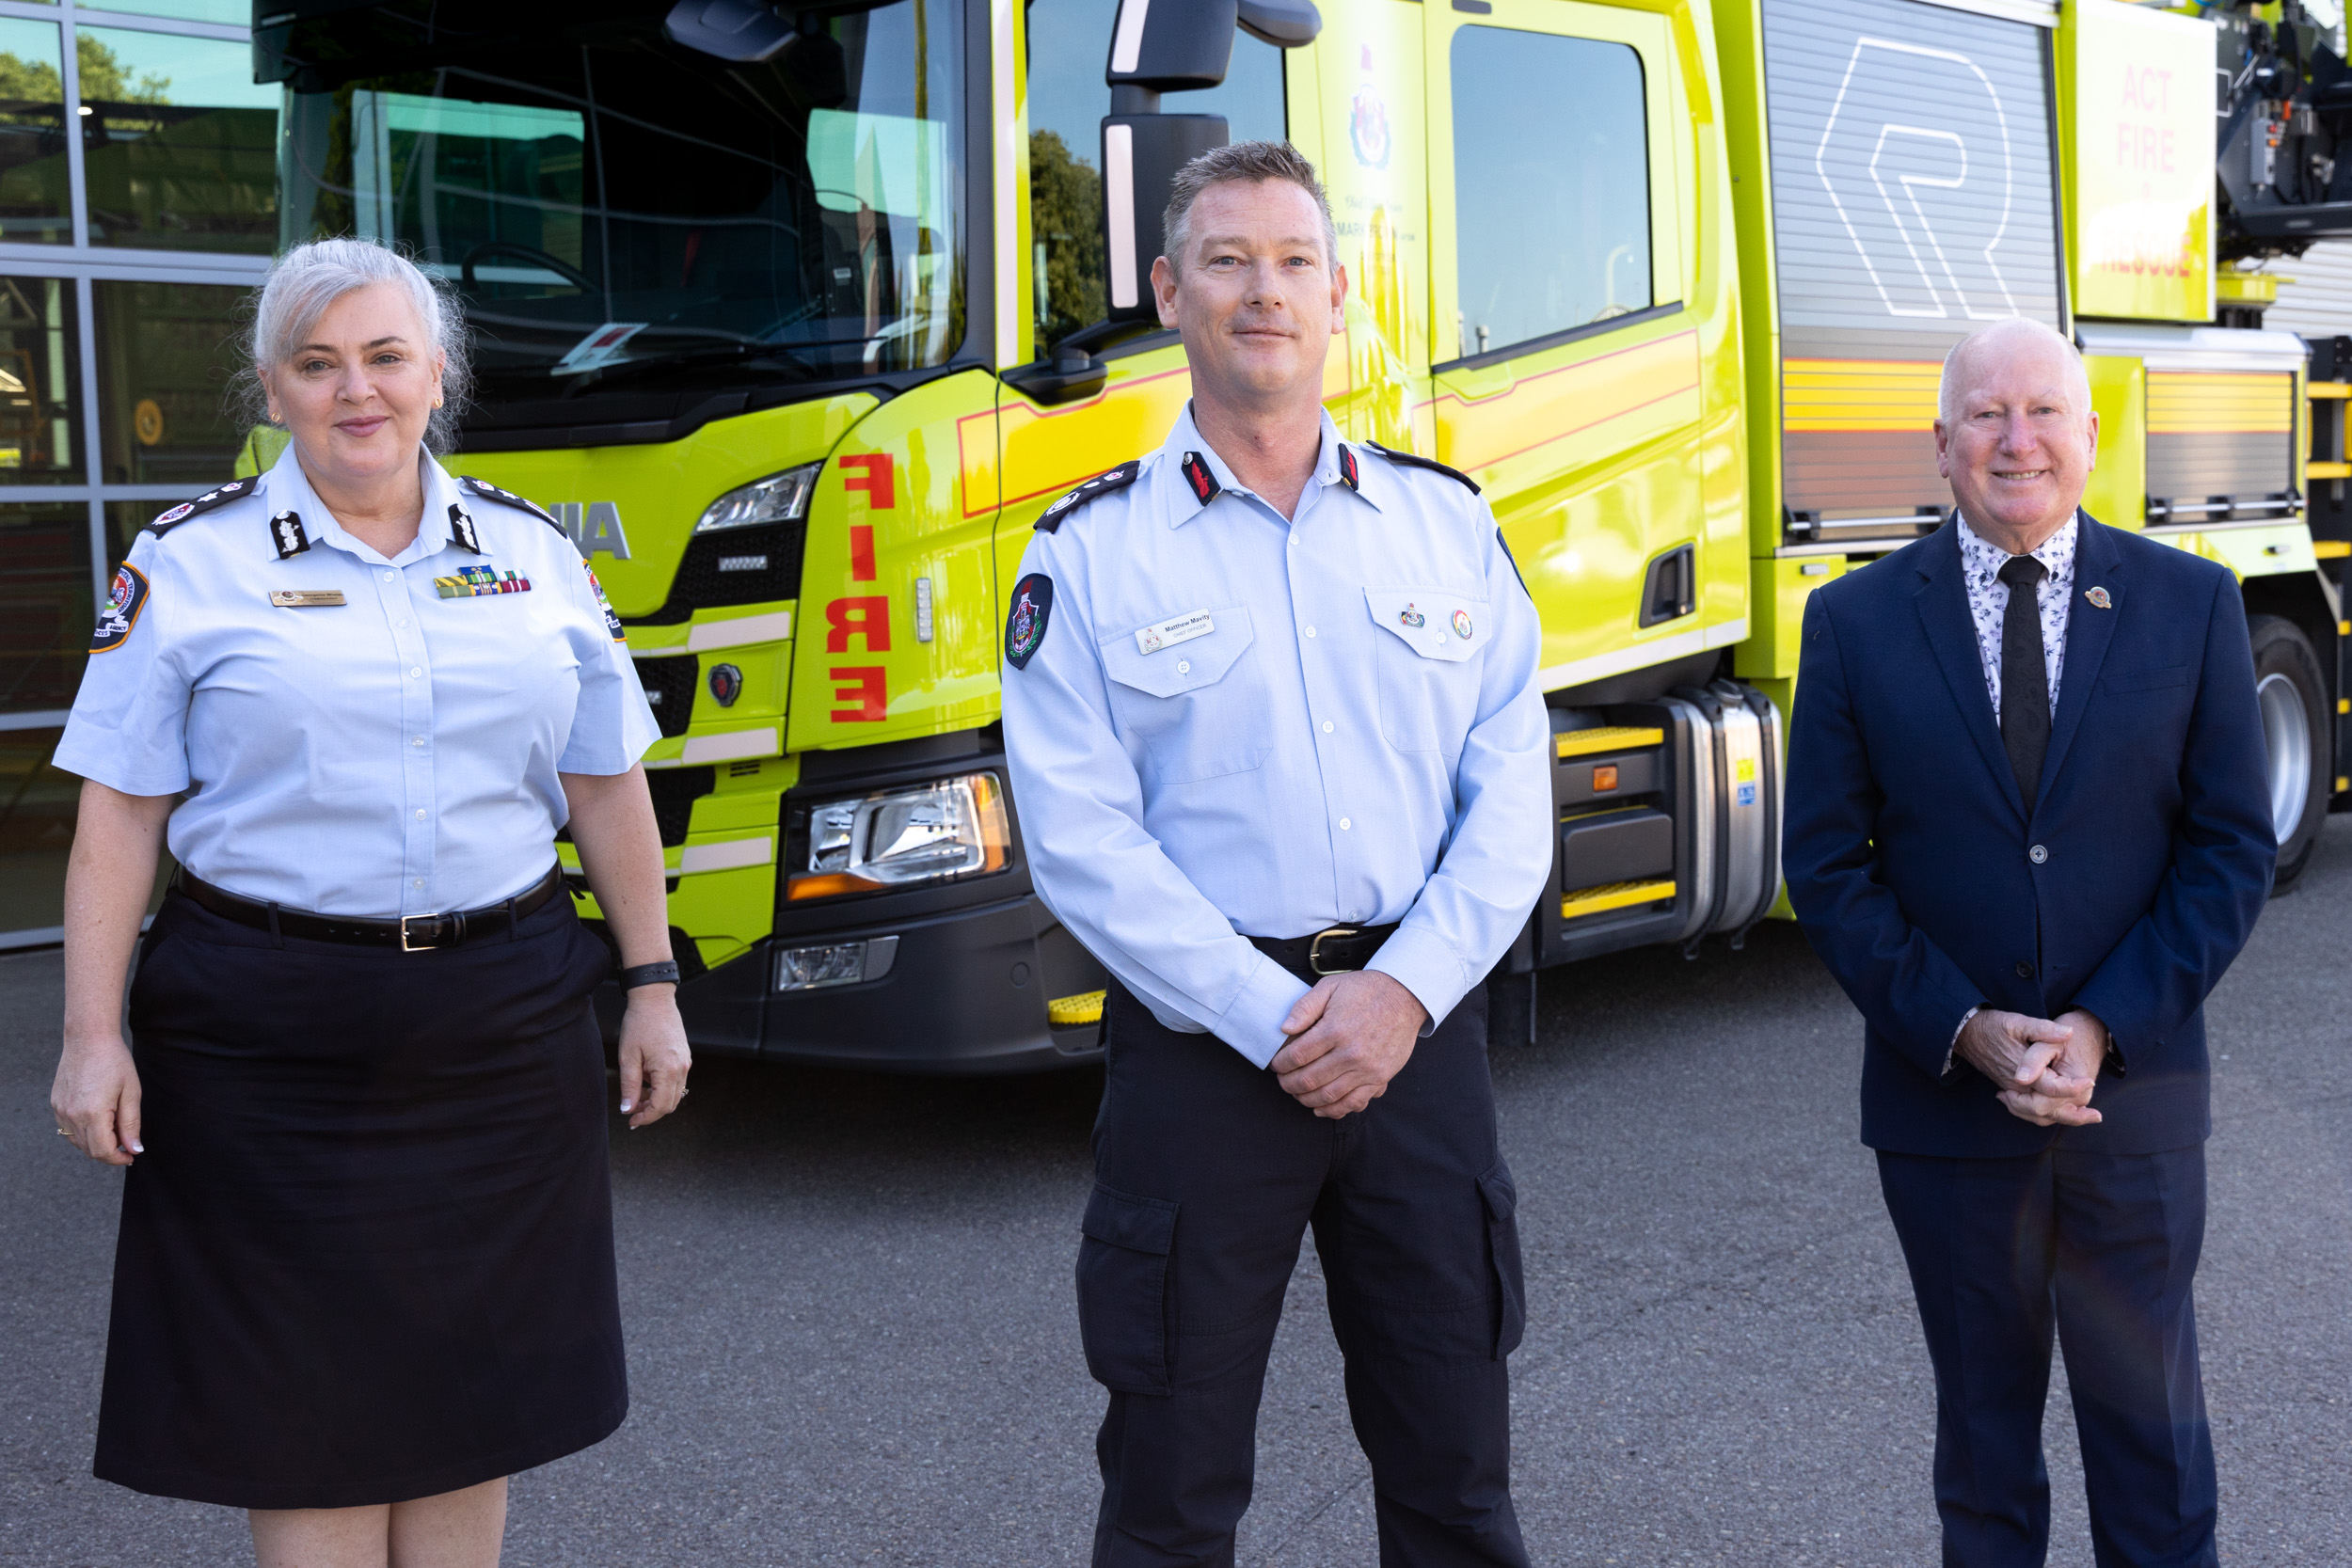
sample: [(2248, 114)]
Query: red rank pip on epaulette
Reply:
[(1204, 484)]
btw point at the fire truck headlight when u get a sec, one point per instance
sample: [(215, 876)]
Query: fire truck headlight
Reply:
[(778, 498), (928, 833)]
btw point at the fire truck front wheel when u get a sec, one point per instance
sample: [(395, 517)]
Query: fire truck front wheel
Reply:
[(2293, 701)]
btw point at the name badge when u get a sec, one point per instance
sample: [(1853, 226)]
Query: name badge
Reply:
[(1183, 628), (306, 598)]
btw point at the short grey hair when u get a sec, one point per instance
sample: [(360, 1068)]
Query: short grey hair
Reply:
[(1947, 393), (310, 277), (1247, 161)]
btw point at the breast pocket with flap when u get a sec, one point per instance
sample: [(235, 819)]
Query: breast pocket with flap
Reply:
[(1430, 665), (1200, 706)]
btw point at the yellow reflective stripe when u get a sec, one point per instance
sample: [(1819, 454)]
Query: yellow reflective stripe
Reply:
[(1614, 895), (1859, 394), (2214, 402), (1609, 738)]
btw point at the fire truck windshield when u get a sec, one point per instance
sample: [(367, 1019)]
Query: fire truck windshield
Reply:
[(618, 212)]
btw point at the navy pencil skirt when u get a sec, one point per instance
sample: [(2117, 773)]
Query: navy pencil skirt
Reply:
[(368, 1254)]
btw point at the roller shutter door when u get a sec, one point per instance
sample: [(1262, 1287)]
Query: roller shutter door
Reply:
[(1912, 203), (2221, 445)]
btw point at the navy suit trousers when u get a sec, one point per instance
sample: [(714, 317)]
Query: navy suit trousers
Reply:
[(2101, 1246), (1207, 1178)]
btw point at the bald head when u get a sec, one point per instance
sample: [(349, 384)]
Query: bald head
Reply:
[(2002, 343), (2015, 434)]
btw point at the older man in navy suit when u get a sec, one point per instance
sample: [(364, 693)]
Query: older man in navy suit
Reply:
[(2028, 828)]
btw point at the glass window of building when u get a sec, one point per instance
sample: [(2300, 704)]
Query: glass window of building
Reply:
[(36, 807), (1550, 188), (46, 610), (164, 355), (39, 413), (178, 142), (46, 607), (124, 254), (36, 197)]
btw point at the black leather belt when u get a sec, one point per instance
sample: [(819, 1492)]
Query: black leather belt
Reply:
[(412, 933), (1339, 950)]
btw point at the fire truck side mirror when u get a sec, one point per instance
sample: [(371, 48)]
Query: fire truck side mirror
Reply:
[(1141, 154), (1166, 46), (1170, 45), (1284, 24)]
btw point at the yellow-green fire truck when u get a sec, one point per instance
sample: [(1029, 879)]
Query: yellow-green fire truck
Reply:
[(798, 315)]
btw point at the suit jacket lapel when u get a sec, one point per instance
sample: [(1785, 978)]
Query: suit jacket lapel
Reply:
[(1943, 601), (2088, 630)]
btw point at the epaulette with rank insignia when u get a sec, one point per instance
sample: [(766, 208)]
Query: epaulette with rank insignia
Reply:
[(220, 495), (1094, 489), (488, 491), (1411, 460)]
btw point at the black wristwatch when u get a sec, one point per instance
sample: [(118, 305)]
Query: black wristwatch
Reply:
[(662, 973)]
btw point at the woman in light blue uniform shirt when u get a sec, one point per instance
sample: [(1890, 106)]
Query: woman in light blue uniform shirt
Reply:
[(365, 1269)]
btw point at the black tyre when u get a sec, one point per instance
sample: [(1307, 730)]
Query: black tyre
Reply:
[(2293, 701)]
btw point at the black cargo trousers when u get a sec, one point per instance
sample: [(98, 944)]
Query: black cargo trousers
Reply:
[(1206, 1176)]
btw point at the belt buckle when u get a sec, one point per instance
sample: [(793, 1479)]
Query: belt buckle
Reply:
[(1314, 948), (408, 946)]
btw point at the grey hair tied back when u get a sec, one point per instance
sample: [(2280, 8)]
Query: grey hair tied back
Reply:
[(311, 277)]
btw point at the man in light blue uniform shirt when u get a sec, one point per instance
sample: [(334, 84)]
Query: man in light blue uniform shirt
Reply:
[(439, 698), (1280, 755)]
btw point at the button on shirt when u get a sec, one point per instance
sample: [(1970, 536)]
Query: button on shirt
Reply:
[(1980, 563), (1234, 723), (394, 755)]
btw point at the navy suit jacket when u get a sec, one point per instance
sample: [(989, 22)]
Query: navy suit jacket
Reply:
[(1928, 889)]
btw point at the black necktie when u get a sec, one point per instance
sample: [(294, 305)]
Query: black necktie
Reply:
[(2024, 679)]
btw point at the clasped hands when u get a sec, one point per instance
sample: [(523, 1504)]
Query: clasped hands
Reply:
[(1346, 1038), (2046, 1068)]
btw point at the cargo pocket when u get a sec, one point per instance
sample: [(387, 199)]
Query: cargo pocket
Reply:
[(1502, 1244), (1123, 1290)]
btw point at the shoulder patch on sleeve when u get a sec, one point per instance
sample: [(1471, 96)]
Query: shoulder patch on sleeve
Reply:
[(1411, 460), (1094, 489), (125, 598), (611, 621), (488, 491), (220, 495), (1025, 626)]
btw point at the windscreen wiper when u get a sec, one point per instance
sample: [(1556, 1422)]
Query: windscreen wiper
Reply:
[(675, 358)]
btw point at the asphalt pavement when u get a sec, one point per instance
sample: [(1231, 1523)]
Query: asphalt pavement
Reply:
[(852, 1338)]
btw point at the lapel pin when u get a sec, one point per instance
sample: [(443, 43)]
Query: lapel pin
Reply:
[(2099, 597)]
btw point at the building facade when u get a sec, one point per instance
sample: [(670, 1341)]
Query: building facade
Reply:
[(138, 206)]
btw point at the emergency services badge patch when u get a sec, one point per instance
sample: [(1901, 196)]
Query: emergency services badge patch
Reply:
[(1024, 628), (125, 598), (611, 622)]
